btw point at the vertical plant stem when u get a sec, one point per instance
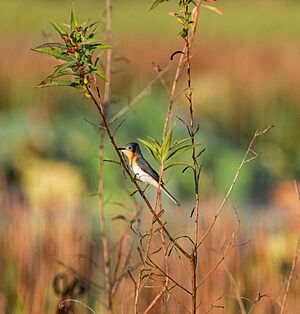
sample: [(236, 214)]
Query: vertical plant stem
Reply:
[(103, 233), (182, 61), (108, 31), (283, 304), (107, 96), (196, 173), (157, 209)]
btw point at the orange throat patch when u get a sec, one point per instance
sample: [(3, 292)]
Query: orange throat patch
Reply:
[(131, 157)]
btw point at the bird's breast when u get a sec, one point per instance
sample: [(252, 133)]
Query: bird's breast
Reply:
[(142, 175)]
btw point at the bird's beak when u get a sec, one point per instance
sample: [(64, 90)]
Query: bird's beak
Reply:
[(121, 148)]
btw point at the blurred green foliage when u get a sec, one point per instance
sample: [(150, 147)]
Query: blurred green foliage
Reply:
[(54, 124), (245, 75)]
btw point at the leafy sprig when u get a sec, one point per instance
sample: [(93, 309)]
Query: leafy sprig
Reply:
[(184, 16), (76, 52), (165, 150)]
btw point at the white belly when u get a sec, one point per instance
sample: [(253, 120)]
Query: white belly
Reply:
[(143, 176)]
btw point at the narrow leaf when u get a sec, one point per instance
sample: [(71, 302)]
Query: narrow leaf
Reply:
[(156, 3), (214, 9), (92, 41), (178, 143), (166, 144), (97, 71), (59, 71), (52, 45), (73, 22), (181, 150), (61, 83), (151, 148), (58, 28), (178, 164), (57, 53)]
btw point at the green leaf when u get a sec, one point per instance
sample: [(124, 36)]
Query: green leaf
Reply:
[(181, 150), (92, 41), (155, 143), (151, 148), (100, 74), (61, 83), (97, 71), (91, 47), (177, 143), (59, 29), (50, 78), (52, 45), (59, 71), (156, 3), (178, 164), (73, 22), (166, 144), (57, 53)]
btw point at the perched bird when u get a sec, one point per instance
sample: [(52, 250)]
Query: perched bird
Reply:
[(141, 168)]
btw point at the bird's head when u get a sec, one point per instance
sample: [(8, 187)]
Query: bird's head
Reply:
[(130, 149)]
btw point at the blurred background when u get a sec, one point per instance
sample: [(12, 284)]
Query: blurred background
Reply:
[(246, 72)]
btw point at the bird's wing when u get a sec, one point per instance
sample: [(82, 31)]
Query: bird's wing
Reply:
[(144, 165)]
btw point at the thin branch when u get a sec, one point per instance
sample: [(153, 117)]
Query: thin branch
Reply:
[(62, 304), (104, 106), (284, 300), (236, 290), (171, 278), (126, 169), (244, 160), (230, 246), (138, 97)]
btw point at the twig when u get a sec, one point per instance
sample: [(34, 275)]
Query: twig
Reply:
[(230, 246), (138, 97), (61, 304), (196, 172), (287, 288), (236, 290), (171, 278), (244, 160), (213, 306), (158, 211), (107, 97)]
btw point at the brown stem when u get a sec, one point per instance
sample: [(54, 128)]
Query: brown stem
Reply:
[(107, 96), (283, 305), (245, 160), (196, 172), (107, 272), (182, 61), (157, 207), (99, 106)]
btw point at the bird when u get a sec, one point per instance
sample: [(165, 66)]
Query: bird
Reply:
[(142, 169)]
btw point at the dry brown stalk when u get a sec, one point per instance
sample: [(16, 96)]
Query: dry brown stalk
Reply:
[(118, 275), (61, 304), (158, 210), (244, 161), (236, 290), (196, 170), (103, 233), (141, 95), (292, 271), (181, 63), (230, 246), (214, 306)]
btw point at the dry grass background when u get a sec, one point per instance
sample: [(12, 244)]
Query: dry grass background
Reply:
[(47, 227)]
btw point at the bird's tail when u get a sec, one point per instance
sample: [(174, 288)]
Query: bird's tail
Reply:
[(170, 196)]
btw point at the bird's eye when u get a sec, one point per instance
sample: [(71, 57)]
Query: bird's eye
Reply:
[(130, 148)]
